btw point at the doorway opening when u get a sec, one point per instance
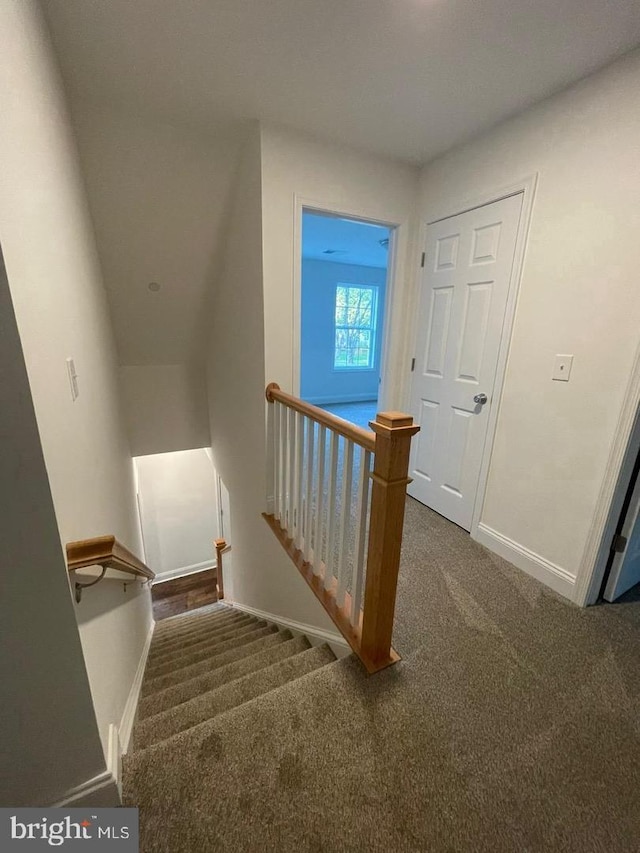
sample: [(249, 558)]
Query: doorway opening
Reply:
[(621, 580), (344, 285)]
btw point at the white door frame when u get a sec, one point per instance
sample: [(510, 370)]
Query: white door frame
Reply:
[(398, 251), (624, 450), (527, 187)]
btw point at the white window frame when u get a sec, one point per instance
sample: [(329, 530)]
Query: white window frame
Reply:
[(372, 328)]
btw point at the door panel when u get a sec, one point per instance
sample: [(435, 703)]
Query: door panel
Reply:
[(469, 259), (439, 326)]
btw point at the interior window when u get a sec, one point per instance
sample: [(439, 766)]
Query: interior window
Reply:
[(355, 326)]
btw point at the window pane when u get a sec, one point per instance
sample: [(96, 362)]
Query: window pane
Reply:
[(355, 324)]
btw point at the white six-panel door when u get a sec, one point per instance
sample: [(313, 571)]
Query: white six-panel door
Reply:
[(467, 273)]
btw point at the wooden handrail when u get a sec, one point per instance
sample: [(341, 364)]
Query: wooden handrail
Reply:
[(364, 437), (107, 552), (390, 442), (221, 547)]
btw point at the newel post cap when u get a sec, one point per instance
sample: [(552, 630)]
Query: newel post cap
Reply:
[(394, 424)]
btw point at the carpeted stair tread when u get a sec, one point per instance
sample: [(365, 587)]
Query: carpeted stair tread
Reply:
[(206, 644), (212, 787), (175, 629), (186, 622), (274, 648), (195, 634), (237, 650), (208, 705), (189, 657), (166, 628), (195, 637), (232, 726), (191, 615)]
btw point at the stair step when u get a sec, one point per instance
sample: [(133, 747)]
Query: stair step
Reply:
[(273, 648), (215, 607), (207, 638), (208, 705), (179, 629), (169, 638), (220, 658), (188, 657), (218, 754), (174, 625)]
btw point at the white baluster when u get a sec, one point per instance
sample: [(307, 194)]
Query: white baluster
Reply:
[(362, 514), (291, 469), (310, 465), (319, 512), (275, 432), (331, 511), (282, 462), (345, 520), (299, 475)]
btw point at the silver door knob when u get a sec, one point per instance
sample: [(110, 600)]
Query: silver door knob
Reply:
[(481, 399)]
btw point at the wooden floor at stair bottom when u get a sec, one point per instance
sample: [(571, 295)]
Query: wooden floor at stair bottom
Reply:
[(186, 593)]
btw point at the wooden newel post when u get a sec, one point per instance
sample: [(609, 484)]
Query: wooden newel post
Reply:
[(220, 545), (394, 431)]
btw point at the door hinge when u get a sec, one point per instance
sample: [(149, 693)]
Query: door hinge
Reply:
[(423, 259), (413, 364), (619, 543)]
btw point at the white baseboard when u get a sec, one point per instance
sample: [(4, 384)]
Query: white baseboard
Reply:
[(533, 564), (106, 788), (313, 633), (100, 791), (129, 714), (114, 756), (183, 572)]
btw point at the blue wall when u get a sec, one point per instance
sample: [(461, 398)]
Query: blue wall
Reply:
[(319, 381)]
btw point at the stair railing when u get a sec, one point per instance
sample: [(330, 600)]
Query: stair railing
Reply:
[(336, 504), (221, 546)]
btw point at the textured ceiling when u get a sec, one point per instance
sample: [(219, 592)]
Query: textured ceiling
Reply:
[(160, 91), (404, 78)]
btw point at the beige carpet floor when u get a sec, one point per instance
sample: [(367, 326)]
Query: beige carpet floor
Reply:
[(511, 724)]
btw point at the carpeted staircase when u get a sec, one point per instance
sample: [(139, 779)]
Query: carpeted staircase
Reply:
[(512, 723), (204, 664)]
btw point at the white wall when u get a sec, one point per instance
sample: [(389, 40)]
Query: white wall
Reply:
[(178, 510), (340, 179), (263, 576), (50, 741), (256, 281), (166, 407), (320, 381), (158, 193), (579, 294), (61, 311)]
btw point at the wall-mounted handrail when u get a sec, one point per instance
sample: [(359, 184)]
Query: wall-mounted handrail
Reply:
[(107, 552), (343, 536)]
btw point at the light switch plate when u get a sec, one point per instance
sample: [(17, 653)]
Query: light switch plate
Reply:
[(562, 368)]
